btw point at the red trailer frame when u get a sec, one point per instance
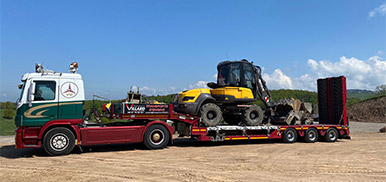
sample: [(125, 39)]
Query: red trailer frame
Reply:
[(32, 137)]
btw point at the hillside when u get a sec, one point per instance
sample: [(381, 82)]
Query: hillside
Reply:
[(360, 94), (370, 110)]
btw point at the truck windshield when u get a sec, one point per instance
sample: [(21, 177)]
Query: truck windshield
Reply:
[(21, 92)]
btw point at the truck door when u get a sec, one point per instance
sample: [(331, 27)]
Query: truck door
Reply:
[(71, 98), (44, 104)]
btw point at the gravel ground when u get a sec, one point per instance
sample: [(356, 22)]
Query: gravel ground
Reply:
[(365, 127), (354, 128), (360, 159)]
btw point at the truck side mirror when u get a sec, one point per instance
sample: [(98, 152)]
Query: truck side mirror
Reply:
[(31, 93)]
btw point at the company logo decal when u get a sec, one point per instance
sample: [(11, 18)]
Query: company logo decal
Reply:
[(136, 108), (69, 89)]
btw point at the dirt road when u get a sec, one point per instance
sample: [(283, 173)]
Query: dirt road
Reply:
[(361, 159)]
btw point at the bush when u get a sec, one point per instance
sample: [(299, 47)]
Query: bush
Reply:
[(9, 114), (381, 90), (105, 120), (8, 105)]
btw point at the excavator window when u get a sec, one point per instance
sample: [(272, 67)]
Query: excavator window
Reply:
[(235, 78), (249, 77), (230, 75), (223, 76)]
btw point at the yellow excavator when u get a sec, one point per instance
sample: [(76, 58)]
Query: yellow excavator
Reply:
[(238, 84)]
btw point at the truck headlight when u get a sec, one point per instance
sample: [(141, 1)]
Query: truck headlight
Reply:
[(187, 98)]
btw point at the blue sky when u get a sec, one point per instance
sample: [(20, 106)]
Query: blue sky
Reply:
[(167, 46)]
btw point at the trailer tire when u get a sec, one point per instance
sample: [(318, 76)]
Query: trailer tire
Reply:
[(211, 114), (311, 135), (331, 135), (59, 141), (156, 137), (290, 135), (253, 116)]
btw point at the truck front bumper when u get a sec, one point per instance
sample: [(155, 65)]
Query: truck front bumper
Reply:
[(27, 137)]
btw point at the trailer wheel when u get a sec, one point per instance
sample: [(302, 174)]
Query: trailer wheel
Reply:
[(253, 115), (290, 135), (211, 114), (311, 135), (59, 141), (156, 137), (331, 135)]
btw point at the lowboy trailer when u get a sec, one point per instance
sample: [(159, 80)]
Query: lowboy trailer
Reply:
[(49, 115)]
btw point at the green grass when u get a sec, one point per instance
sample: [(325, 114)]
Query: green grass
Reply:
[(351, 100), (7, 126), (361, 95)]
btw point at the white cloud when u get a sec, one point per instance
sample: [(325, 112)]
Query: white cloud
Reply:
[(381, 10), (203, 84), (199, 84), (278, 80), (360, 74)]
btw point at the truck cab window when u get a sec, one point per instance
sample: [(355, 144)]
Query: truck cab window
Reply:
[(44, 90)]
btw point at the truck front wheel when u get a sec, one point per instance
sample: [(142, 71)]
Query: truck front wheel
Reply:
[(156, 137), (59, 141)]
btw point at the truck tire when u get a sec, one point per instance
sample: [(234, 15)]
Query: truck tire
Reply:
[(59, 141), (311, 135), (290, 135), (156, 137), (331, 135), (211, 114), (253, 116)]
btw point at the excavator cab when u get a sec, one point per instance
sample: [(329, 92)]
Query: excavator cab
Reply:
[(236, 74), (238, 82)]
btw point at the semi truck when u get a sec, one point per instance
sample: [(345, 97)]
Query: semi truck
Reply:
[(50, 115)]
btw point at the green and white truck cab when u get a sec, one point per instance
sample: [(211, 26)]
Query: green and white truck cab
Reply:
[(47, 95), (50, 115)]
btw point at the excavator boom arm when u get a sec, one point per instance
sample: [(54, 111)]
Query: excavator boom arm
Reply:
[(261, 88)]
